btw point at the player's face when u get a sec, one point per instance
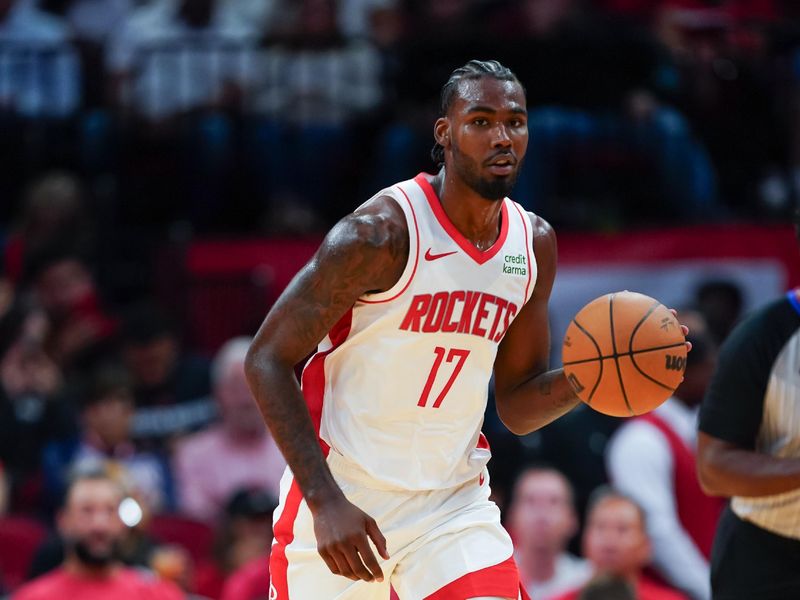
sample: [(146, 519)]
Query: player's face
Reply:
[(541, 513), (90, 522), (615, 541), (485, 135)]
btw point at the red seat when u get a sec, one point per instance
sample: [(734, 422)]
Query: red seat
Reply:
[(19, 539), (196, 537)]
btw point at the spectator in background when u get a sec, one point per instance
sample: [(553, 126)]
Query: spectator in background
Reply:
[(81, 330), (593, 104), (53, 212), (238, 452), (720, 302), (542, 519), (176, 56), (314, 84), (39, 71), (243, 546), (33, 407), (92, 528), (179, 67), (171, 388), (615, 542), (719, 79), (105, 441), (652, 460)]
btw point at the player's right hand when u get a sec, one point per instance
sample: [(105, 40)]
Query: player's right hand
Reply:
[(343, 531)]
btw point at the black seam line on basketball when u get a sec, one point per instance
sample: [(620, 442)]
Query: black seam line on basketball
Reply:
[(654, 306), (616, 356), (656, 381), (600, 375), (634, 353)]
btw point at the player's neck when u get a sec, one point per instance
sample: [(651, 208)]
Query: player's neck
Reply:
[(477, 218)]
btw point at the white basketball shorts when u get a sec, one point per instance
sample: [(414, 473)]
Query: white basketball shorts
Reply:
[(443, 545)]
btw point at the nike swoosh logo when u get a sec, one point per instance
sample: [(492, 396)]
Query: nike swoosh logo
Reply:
[(429, 256), (480, 479)]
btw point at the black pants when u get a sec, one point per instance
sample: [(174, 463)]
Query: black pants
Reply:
[(749, 563)]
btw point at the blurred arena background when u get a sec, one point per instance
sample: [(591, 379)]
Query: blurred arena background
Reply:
[(166, 166)]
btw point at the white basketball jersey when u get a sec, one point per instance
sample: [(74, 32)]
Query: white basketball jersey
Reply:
[(399, 386)]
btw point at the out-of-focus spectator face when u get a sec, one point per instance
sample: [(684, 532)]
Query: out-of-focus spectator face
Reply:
[(25, 368), (53, 205), (151, 363), (615, 540), (541, 512), (90, 521), (543, 16), (720, 302), (110, 417), (62, 285), (239, 411)]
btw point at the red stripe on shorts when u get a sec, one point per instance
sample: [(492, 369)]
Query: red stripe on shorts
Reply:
[(284, 534), (498, 580), (314, 394)]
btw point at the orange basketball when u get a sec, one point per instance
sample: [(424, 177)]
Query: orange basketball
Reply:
[(624, 354)]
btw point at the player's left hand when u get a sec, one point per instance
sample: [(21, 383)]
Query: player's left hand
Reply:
[(684, 329)]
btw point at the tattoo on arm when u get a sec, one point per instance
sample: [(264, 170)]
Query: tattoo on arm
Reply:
[(362, 254)]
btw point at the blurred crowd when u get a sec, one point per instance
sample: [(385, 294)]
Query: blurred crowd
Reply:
[(128, 126), (202, 112)]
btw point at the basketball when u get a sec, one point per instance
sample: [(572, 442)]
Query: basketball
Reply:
[(624, 354)]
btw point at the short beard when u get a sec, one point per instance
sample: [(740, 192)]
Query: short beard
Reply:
[(493, 189), (92, 559)]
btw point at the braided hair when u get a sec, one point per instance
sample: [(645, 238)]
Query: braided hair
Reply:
[(474, 69)]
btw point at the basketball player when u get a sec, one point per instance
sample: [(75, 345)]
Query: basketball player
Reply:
[(749, 450), (413, 299)]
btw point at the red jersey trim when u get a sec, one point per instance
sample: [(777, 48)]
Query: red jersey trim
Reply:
[(416, 258), (314, 394), (528, 245), (479, 256), (498, 580)]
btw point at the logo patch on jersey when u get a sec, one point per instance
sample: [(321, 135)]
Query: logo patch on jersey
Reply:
[(429, 256), (515, 264)]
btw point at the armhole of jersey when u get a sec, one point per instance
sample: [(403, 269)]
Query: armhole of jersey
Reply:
[(397, 194)]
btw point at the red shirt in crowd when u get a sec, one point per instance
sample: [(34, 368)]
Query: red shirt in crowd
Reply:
[(250, 582), (645, 590), (122, 584)]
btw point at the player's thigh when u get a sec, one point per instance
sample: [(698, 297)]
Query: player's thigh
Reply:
[(467, 556), (297, 571)]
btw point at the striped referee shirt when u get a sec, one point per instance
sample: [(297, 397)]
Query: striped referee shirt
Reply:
[(754, 402)]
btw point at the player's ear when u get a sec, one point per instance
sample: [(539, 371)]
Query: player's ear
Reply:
[(441, 132)]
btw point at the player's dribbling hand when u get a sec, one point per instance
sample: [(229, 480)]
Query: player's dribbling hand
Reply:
[(684, 329), (342, 531)]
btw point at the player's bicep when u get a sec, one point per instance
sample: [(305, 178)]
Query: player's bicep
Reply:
[(362, 253), (525, 349)]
